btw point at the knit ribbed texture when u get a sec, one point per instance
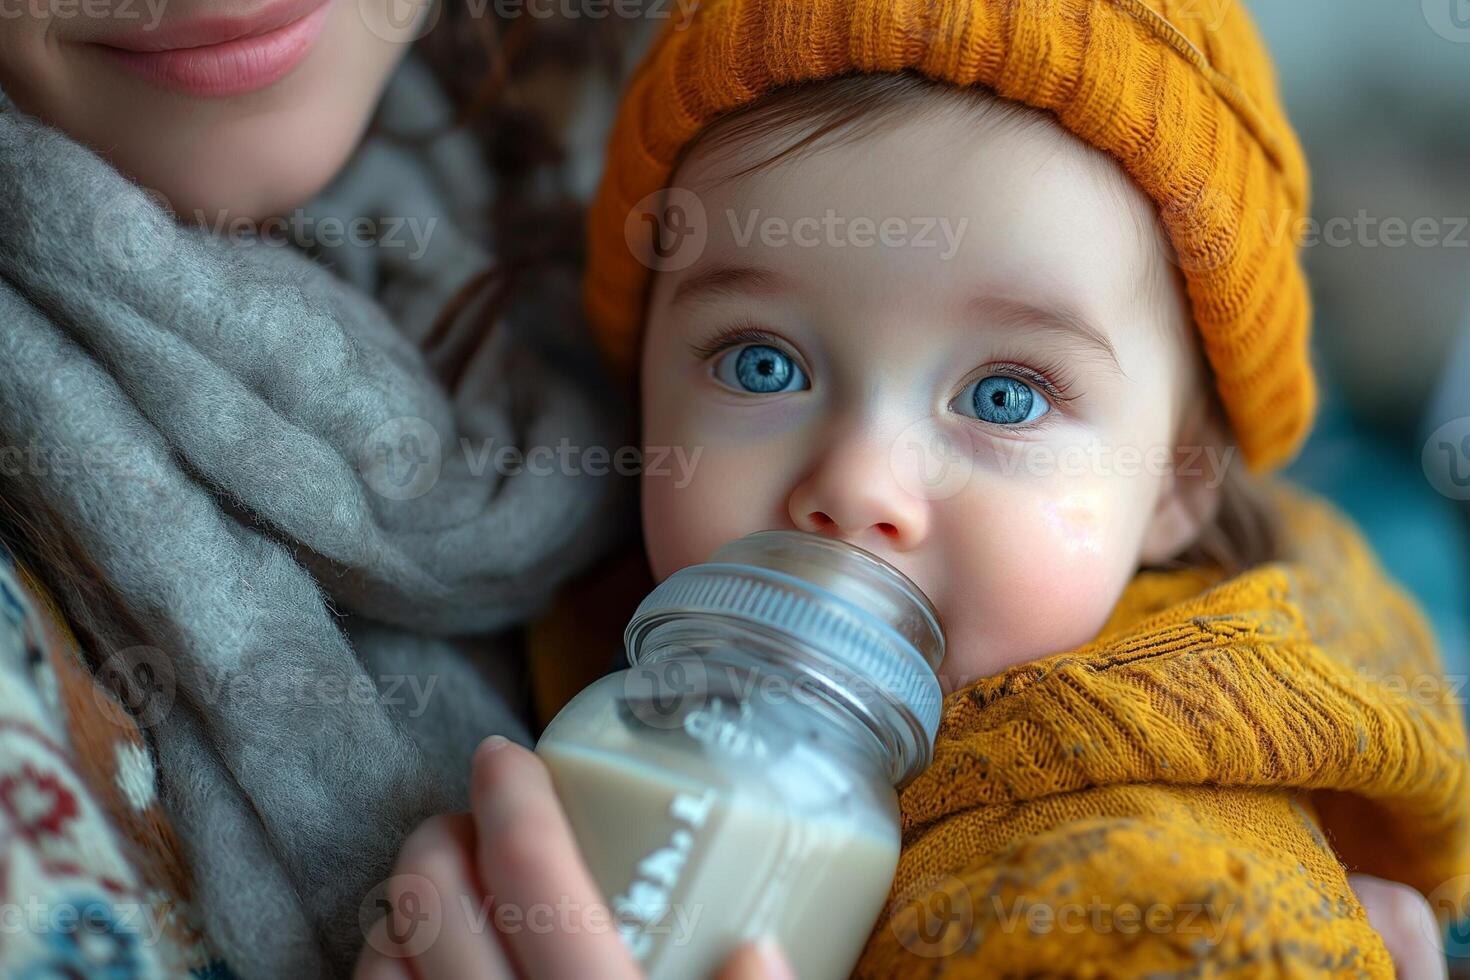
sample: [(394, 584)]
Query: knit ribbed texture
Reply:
[(1180, 92), (1190, 761)]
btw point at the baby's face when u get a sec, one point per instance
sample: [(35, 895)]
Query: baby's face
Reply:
[(993, 404), (238, 129)]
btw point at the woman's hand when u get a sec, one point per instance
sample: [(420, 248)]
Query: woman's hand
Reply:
[(1404, 919), (502, 892)]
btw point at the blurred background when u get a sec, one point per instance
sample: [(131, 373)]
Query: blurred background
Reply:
[(1380, 94)]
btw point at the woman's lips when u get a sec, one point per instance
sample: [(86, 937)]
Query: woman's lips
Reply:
[(222, 57)]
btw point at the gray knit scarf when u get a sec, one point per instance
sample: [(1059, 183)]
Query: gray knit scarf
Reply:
[(258, 452)]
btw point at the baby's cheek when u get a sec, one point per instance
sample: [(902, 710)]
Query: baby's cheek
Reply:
[(1047, 576), (680, 521), (696, 500)]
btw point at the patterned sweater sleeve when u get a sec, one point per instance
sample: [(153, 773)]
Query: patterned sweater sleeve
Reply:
[(73, 901)]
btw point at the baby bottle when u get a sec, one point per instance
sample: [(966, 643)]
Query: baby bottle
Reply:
[(740, 779)]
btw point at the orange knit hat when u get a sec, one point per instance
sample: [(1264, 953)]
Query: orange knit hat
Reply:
[(1180, 92)]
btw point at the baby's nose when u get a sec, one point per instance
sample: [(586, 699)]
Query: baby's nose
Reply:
[(852, 494)]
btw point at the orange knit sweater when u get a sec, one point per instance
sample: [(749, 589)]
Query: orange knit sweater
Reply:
[(1185, 795)]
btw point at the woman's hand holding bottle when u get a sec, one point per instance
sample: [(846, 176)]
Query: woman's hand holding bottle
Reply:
[(469, 888)]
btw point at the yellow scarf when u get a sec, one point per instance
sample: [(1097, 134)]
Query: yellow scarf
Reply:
[(1185, 795)]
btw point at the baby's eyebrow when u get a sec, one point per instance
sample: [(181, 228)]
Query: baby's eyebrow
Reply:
[(727, 280), (1011, 312)]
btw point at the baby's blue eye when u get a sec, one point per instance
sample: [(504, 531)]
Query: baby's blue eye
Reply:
[(761, 369), (1003, 400)]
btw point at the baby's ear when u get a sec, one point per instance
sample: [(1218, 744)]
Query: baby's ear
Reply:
[(1190, 499)]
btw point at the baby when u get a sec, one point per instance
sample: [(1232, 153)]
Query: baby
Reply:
[(990, 289), (924, 405)]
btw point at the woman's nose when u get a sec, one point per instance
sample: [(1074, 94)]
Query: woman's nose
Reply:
[(853, 494)]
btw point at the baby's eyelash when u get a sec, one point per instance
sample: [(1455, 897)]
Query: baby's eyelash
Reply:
[(1053, 376), (731, 336)]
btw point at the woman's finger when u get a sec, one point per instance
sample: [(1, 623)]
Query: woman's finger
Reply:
[(375, 963), (1405, 921), (757, 961), (554, 917), (436, 876)]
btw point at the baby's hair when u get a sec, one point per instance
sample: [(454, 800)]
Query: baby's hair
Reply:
[(1245, 531)]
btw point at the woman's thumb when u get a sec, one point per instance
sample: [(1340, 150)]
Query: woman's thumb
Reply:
[(757, 961)]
